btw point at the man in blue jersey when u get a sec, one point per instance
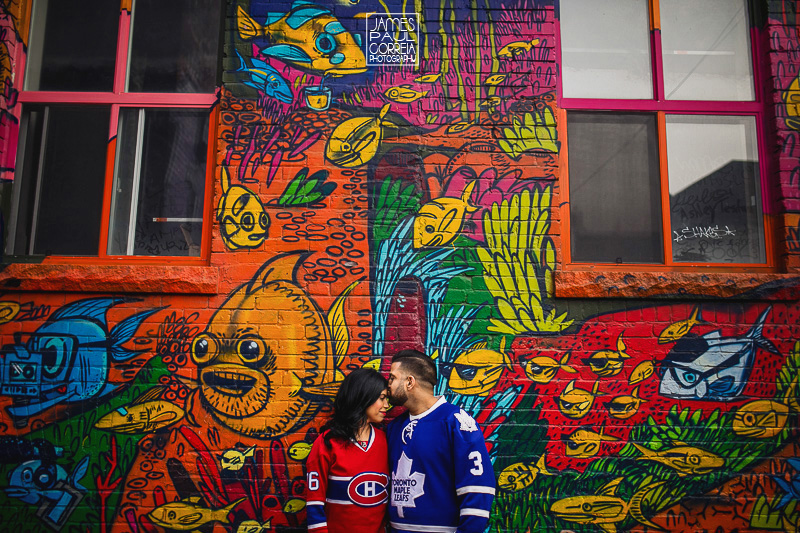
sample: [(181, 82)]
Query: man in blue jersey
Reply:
[(442, 477)]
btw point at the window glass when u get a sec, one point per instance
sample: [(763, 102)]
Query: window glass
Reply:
[(159, 188), (605, 49), (175, 46), (62, 196), (706, 50), (715, 200), (73, 45), (614, 192)]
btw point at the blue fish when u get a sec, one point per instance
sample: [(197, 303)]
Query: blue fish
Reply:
[(265, 78), (34, 481), (66, 359), (791, 488), (712, 367)]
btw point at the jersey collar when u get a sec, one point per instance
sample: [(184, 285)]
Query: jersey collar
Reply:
[(440, 401)]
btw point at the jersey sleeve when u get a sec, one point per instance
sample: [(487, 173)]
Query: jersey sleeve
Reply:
[(474, 475), (318, 465)]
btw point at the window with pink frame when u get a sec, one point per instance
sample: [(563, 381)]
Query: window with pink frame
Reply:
[(663, 125), (115, 151)]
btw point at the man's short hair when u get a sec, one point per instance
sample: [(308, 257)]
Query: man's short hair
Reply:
[(417, 364)]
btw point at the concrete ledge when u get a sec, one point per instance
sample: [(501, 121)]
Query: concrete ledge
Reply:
[(678, 285), (167, 279)]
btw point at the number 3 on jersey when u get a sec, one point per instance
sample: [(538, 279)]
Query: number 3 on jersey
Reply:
[(477, 461), (313, 480)]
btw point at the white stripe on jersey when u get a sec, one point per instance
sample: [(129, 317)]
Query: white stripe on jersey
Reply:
[(423, 529), (474, 512), (476, 489)]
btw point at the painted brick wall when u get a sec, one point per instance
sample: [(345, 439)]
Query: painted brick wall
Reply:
[(378, 208)]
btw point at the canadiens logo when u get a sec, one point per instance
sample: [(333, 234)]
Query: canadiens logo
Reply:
[(368, 489)]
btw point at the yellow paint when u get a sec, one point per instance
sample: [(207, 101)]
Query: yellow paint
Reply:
[(543, 369), (299, 451), (642, 372), (575, 403), (355, 141), (243, 221), (624, 407), (439, 221), (429, 78), (496, 79), (520, 476), (404, 94), (516, 48), (685, 460), (475, 372), (233, 459), (143, 417), (608, 362), (760, 419), (677, 330), (584, 443), (189, 514), (8, 311)]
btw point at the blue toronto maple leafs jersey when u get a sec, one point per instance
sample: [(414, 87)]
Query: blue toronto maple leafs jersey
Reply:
[(442, 477)]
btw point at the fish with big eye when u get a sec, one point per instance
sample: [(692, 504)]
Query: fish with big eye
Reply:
[(606, 363), (542, 369), (243, 220), (584, 443), (439, 221), (404, 94), (355, 141), (520, 476), (624, 407), (576, 403)]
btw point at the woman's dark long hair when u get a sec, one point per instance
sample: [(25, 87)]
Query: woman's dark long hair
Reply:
[(360, 389)]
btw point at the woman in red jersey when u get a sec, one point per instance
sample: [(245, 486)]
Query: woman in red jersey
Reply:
[(348, 467)]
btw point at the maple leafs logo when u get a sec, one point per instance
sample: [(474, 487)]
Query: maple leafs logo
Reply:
[(467, 422), (407, 486)]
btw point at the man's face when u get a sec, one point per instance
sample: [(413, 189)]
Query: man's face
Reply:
[(397, 385)]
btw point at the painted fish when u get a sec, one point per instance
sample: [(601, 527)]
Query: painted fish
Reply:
[(308, 37), (497, 79), (516, 48), (35, 481), (575, 403), (760, 419), (643, 371), (584, 443), (475, 372), (712, 367), (265, 361), (604, 508), (265, 78), (791, 97), (439, 221), (492, 102), (295, 505), (144, 415), (684, 459), (608, 362), (233, 459), (189, 514), (520, 476), (429, 78), (624, 407), (404, 94), (72, 350), (252, 526), (243, 221), (458, 127), (355, 141), (299, 450), (678, 329), (543, 369)]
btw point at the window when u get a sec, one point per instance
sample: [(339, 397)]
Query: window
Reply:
[(117, 124), (663, 121)]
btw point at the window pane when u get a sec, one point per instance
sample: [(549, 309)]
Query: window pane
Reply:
[(715, 195), (73, 45), (159, 187), (614, 193), (706, 50), (61, 185), (175, 46), (605, 49)]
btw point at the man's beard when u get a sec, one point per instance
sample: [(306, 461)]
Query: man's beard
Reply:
[(400, 398)]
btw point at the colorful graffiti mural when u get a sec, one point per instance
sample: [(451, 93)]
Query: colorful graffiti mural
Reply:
[(363, 209)]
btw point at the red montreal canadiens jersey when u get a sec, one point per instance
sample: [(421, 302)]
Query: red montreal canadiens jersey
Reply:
[(347, 486)]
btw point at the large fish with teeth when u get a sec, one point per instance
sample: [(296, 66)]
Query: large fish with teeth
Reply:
[(266, 360), (308, 37)]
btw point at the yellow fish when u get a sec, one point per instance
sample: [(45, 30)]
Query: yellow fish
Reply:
[(295, 505), (520, 476), (678, 329), (604, 508), (233, 459), (308, 37), (144, 415), (374, 364), (760, 419), (429, 78), (252, 526), (624, 407), (686, 460), (355, 141), (497, 79), (791, 97), (516, 48), (189, 514), (439, 221), (584, 443), (608, 362), (299, 450), (575, 403), (543, 369), (8, 311), (642, 371), (458, 127), (265, 359), (475, 372), (404, 94), (243, 221), (492, 102)]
